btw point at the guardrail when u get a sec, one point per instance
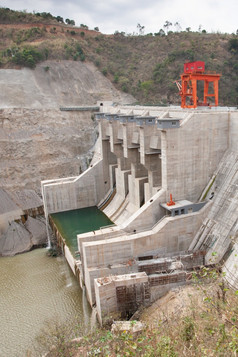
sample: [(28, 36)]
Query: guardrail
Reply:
[(80, 109)]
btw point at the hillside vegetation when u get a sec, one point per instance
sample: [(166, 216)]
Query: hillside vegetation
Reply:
[(145, 66)]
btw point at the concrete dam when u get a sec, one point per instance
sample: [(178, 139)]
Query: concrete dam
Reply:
[(167, 179)]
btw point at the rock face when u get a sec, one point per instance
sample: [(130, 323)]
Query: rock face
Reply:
[(39, 141), (38, 144), (21, 237), (37, 229), (15, 240), (19, 232)]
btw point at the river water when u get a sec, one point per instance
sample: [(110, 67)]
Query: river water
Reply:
[(35, 288)]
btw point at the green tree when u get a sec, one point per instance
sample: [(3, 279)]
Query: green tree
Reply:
[(60, 19), (70, 22), (84, 26)]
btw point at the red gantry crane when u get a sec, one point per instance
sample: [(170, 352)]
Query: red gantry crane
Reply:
[(193, 72)]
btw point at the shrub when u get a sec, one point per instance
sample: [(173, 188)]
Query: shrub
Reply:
[(116, 78), (27, 57), (82, 57), (104, 71), (74, 50), (146, 86), (124, 83), (233, 45)]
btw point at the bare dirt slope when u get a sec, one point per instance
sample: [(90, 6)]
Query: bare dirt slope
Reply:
[(37, 140), (173, 305), (53, 84)]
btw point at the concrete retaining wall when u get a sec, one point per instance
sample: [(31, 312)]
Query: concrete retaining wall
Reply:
[(171, 235), (83, 191), (121, 294)]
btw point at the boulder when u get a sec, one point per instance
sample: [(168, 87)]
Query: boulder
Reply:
[(15, 240), (37, 228)]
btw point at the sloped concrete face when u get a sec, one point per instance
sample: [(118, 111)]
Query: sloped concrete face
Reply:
[(233, 120), (218, 234), (230, 267)]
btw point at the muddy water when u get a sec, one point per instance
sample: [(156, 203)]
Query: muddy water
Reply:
[(35, 288)]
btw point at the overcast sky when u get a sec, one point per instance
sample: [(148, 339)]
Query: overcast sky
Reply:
[(124, 15)]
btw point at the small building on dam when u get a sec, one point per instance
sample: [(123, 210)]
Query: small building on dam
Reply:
[(166, 179)]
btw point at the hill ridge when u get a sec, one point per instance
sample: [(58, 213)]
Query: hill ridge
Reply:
[(145, 66)]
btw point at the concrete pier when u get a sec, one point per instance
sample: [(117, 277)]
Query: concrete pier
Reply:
[(148, 153)]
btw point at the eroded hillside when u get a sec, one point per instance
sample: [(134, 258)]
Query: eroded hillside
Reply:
[(37, 140)]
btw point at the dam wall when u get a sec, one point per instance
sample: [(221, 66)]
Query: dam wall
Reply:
[(165, 151), (149, 153), (192, 153)]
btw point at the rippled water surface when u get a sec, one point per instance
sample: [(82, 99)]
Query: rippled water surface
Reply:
[(35, 288)]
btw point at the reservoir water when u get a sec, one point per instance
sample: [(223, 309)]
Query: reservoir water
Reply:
[(35, 288)]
